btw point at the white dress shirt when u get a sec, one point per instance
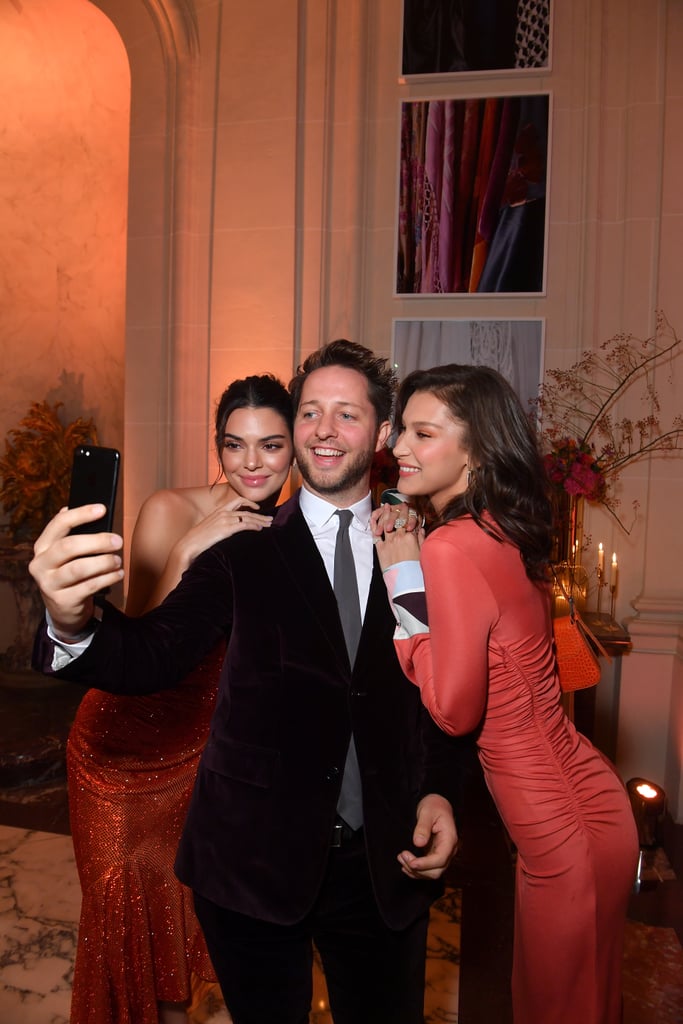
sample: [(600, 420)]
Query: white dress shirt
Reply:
[(323, 523)]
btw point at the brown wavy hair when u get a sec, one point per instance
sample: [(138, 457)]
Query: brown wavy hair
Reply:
[(508, 479), (381, 379)]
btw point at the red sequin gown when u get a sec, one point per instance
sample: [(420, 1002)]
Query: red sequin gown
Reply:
[(131, 765)]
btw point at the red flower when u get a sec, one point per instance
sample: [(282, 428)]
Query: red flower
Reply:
[(572, 465)]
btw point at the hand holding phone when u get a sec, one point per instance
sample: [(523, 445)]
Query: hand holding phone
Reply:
[(94, 479)]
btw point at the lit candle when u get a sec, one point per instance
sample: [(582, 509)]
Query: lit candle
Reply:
[(615, 570), (601, 559)]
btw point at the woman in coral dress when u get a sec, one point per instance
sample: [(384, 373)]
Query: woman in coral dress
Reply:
[(132, 761), (475, 634)]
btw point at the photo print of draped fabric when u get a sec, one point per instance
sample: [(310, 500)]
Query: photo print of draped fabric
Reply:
[(447, 36), (472, 195), (513, 347)]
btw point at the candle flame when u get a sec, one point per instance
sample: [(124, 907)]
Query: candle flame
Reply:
[(649, 792)]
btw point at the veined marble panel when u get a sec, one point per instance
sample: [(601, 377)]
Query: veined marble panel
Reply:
[(39, 909)]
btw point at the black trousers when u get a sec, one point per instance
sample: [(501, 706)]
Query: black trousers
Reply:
[(374, 975)]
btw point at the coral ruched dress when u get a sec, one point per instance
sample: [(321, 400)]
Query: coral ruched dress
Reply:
[(487, 657), (131, 765)]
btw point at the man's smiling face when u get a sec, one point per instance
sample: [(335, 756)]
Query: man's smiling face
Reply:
[(336, 434)]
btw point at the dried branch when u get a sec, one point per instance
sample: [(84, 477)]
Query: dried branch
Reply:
[(576, 406)]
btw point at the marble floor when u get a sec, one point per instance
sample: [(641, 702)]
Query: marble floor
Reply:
[(40, 899), (39, 908), (470, 942)]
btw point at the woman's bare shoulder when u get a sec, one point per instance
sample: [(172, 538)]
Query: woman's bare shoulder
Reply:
[(188, 504), (168, 514)]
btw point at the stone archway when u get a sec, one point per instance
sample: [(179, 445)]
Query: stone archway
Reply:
[(169, 238)]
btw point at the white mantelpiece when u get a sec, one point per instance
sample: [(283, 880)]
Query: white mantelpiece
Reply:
[(650, 731)]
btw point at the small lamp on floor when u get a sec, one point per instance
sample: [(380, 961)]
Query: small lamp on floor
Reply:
[(648, 801)]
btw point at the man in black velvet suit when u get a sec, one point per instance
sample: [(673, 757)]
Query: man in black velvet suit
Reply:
[(272, 864)]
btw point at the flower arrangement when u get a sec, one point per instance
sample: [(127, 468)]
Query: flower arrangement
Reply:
[(572, 465), (35, 470), (587, 442)]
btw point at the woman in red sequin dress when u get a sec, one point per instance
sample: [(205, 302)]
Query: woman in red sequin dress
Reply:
[(474, 633), (132, 761)]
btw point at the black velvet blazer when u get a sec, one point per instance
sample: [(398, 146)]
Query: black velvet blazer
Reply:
[(257, 834)]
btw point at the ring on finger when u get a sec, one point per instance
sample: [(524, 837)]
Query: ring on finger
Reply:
[(399, 522), (412, 513)]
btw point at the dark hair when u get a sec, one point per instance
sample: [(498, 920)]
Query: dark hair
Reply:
[(256, 392), (380, 377), (508, 477)]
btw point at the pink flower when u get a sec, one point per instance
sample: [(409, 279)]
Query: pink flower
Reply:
[(572, 465)]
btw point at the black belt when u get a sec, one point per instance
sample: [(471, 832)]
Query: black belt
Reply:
[(343, 833)]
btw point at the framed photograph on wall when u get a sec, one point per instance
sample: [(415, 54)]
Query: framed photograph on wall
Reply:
[(473, 178), (445, 37), (513, 347)]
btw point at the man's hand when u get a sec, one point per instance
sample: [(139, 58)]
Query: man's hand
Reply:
[(435, 831), (70, 570)]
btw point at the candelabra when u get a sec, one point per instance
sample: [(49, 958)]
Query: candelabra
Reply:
[(603, 583)]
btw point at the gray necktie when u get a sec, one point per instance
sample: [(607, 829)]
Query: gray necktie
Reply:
[(350, 806)]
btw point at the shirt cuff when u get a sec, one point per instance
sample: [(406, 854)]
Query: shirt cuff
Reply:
[(405, 584), (65, 652)]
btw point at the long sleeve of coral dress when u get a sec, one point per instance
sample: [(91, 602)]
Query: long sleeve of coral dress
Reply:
[(485, 660), (131, 765)]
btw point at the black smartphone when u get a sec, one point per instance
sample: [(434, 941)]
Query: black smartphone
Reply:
[(94, 478)]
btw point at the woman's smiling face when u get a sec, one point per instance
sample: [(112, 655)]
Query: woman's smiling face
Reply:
[(256, 452), (432, 457)]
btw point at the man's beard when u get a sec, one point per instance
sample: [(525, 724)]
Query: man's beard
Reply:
[(355, 468)]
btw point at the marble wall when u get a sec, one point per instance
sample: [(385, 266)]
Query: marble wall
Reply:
[(63, 187), (262, 221), (63, 193)]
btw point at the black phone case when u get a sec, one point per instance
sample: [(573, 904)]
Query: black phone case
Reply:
[(94, 478)]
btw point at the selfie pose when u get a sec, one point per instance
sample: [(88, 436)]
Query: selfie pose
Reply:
[(132, 761), (475, 634), (321, 810)]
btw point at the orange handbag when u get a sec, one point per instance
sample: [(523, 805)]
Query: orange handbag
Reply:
[(577, 664)]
